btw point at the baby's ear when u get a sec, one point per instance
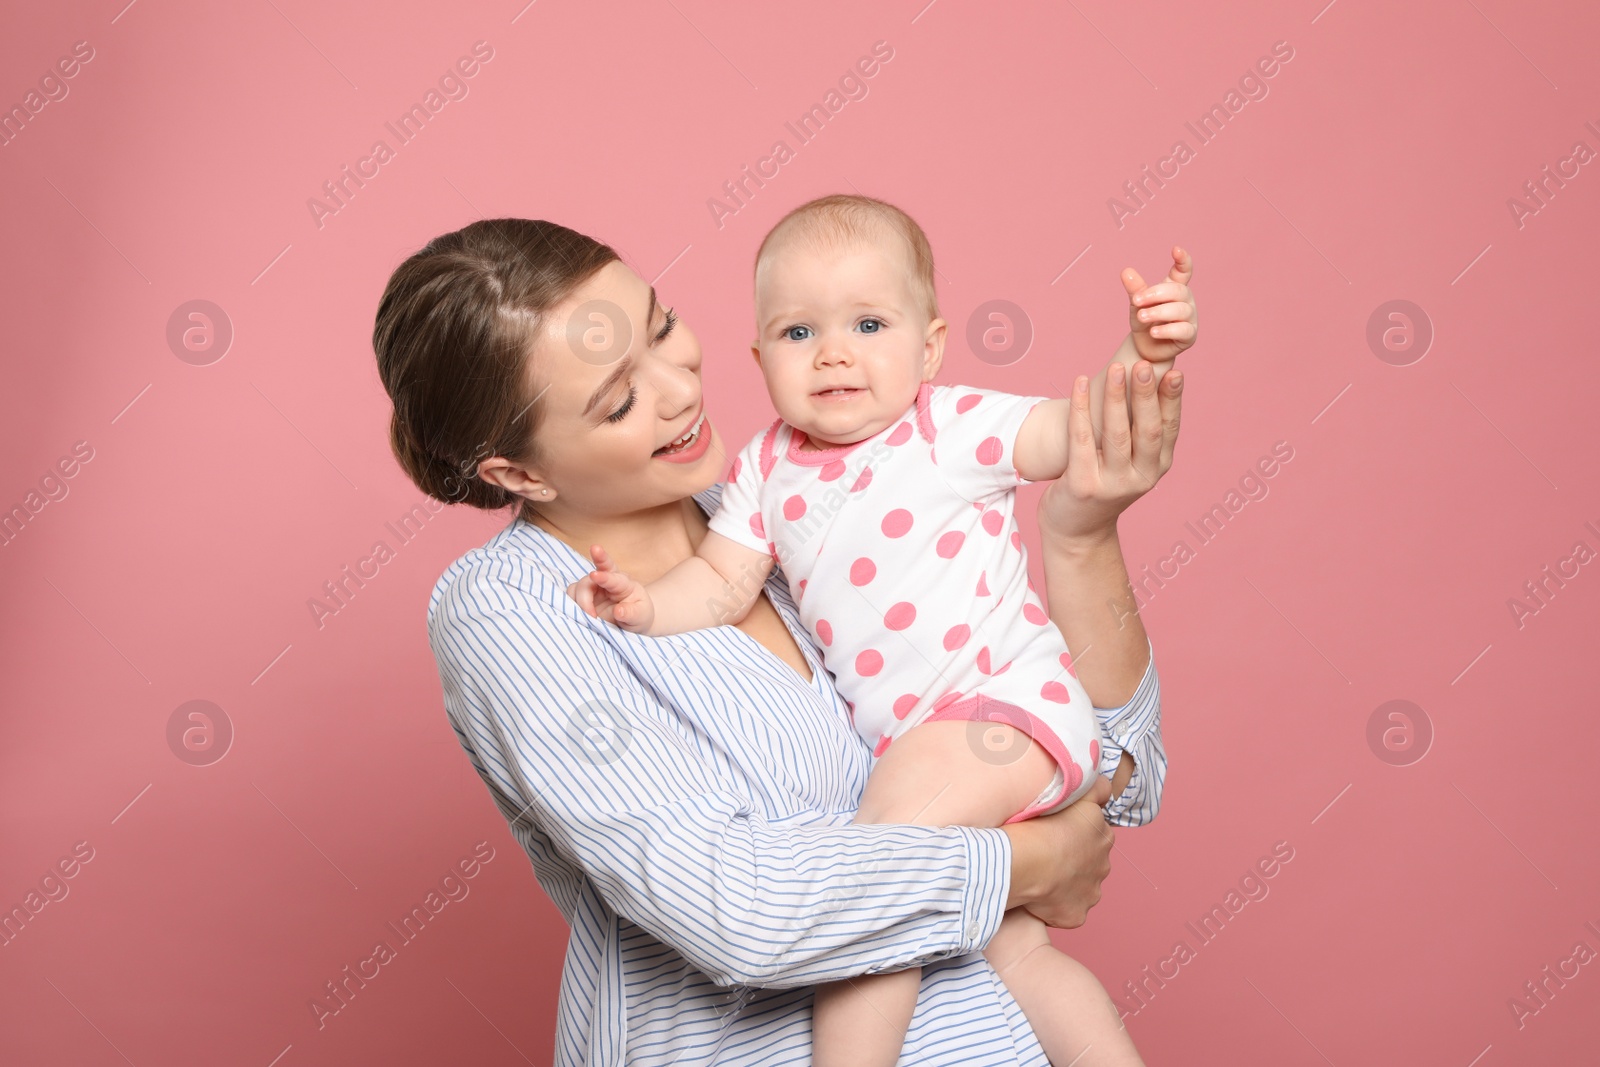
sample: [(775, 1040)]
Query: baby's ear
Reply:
[(933, 349), (755, 350)]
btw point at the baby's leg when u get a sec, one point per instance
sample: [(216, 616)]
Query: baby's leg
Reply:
[(1068, 1008), (930, 776)]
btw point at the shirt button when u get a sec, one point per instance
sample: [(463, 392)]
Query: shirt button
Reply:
[(972, 930)]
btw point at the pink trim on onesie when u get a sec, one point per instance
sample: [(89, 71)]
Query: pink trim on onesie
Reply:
[(924, 413), (822, 456), (768, 458), (981, 708)]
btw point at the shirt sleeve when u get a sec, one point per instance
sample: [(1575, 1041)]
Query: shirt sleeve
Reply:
[(1135, 728), (738, 515), (599, 766), (975, 437)]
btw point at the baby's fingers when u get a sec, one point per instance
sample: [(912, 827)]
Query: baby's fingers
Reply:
[(612, 581), (1172, 311), (582, 591), (1182, 266)]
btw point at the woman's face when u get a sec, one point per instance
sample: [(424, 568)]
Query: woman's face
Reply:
[(620, 381)]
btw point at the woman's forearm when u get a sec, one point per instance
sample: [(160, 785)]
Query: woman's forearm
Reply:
[(1092, 603)]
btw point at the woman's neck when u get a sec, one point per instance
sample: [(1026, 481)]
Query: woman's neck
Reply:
[(644, 544)]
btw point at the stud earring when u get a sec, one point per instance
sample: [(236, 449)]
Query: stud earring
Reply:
[(544, 492)]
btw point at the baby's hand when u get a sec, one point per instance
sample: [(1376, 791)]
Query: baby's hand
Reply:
[(607, 593), (1162, 317)]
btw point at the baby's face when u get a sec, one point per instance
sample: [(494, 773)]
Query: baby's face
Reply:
[(842, 341)]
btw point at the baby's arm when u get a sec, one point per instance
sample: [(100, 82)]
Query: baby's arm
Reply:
[(716, 585), (1042, 442)]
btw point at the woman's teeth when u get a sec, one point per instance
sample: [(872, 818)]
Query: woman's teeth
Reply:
[(686, 440)]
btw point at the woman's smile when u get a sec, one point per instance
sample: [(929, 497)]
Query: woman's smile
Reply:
[(691, 446)]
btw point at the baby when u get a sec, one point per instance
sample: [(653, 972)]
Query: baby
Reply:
[(887, 501)]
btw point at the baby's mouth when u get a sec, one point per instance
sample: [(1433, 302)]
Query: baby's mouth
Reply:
[(837, 394)]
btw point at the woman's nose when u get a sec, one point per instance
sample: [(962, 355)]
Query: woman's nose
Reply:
[(679, 387)]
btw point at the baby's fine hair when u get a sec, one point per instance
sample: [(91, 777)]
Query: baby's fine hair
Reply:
[(843, 219)]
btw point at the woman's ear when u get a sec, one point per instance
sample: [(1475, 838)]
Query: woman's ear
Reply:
[(500, 471), (933, 349)]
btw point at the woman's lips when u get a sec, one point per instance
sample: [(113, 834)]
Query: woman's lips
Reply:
[(698, 443)]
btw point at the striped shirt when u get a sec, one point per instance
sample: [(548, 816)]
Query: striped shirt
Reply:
[(686, 803)]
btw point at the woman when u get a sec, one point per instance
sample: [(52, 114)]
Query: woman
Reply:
[(686, 800)]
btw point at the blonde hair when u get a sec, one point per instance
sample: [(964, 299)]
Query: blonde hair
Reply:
[(842, 219)]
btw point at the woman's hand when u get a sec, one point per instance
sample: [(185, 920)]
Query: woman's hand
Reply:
[(1100, 483), (1058, 861)]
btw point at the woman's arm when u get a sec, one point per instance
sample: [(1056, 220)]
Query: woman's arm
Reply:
[(1090, 597), (584, 747)]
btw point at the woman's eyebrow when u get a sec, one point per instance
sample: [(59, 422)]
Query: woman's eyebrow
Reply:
[(625, 365)]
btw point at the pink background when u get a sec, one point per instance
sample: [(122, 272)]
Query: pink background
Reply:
[(1422, 894)]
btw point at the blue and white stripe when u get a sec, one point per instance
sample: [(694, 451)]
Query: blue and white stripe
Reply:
[(686, 803)]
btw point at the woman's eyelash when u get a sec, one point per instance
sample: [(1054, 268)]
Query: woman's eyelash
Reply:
[(627, 405), (633, 393)]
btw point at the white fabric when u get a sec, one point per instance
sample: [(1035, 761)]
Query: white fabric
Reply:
[(908, 568)]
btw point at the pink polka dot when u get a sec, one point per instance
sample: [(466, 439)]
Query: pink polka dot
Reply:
[(984, 663), (967, 403), (993, 521), (978, 504), (825, 631), (772, 550), (946, 700), (983, 584), (957, 636), (933, 457), (882, 745), (863, 480), (1066, 661), (950, 544), (869, 663), (901, 434), (1034, 614), (900, 615), (896, 523), (862, 570), (1094, 753), (802, 587), (990, 450), (1055, 691), (794, 507), (1016, 540), (904, 704), (831, 470), (733, 471), (757, 526)]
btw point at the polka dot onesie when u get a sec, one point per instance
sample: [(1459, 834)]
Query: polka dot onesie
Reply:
[(905, 561)]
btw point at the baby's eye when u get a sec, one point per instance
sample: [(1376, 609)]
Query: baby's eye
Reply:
[(871, 325), (797, 333)]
